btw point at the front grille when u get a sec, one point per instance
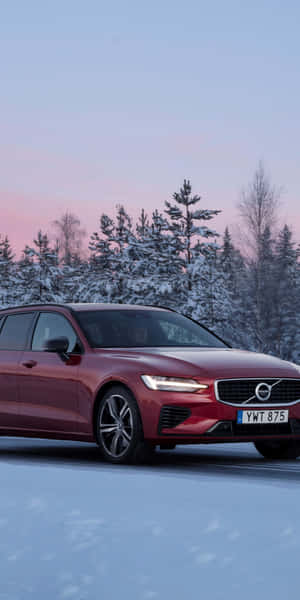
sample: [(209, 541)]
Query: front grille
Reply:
[(238, 391), (171, 416)]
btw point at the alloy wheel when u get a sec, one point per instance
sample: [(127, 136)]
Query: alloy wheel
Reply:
[(116, 425)]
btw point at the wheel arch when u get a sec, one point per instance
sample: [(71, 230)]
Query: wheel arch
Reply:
[(100, 393)]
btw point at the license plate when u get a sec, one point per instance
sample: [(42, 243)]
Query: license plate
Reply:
[(253, 417)]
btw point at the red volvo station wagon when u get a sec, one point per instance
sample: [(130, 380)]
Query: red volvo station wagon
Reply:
[(135, 377)]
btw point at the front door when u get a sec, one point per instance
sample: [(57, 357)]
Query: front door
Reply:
[(48, 387)]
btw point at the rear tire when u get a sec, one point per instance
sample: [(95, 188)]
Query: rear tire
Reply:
[(119, 430), (280, 450)]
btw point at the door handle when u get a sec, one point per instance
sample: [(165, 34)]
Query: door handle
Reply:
[(29, 363)]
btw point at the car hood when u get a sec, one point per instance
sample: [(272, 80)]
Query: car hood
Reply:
[(209, 362)]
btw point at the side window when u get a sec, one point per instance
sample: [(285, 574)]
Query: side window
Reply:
[(52, 325), (15, 330)]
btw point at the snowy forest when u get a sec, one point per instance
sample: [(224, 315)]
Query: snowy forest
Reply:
[(246, 290)]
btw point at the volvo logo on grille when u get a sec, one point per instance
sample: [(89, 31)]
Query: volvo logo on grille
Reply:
[(263, 392)]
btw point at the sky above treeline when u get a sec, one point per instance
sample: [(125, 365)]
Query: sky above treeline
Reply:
[(106, 103)]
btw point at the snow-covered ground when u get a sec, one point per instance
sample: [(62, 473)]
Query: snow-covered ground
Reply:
[(79, 529)]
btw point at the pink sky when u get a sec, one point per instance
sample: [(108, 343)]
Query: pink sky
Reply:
[(23, 215), (39, 187)]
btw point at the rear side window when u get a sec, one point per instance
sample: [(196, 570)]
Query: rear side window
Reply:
[(15, 330)]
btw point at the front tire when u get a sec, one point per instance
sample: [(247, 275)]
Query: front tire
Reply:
[(280, 450), (119, 429)]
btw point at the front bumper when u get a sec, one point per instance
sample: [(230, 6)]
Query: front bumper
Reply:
[(201, 418)]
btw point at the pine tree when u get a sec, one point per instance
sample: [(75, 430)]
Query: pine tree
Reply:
[(173, 260), (209, 301), (109, 265), (234, 272), (184, 228), (100, 276), (38, 274), (142, 225), (74, 281), (259, 298), (122, 264), (155, 269), (232, 263), (7, 274), (101, 258), (26, 272), (286, 274)]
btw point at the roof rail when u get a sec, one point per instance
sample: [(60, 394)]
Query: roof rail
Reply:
[(37, 305)]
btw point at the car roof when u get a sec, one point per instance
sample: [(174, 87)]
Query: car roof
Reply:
[(110, 306), (88, 306)]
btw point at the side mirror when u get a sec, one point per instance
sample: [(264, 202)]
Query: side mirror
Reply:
[(59, 345)]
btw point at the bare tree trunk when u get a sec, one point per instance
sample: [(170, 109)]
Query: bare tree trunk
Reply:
[(69, 237), (258, 210)]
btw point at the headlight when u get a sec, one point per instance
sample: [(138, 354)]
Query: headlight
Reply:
[(172, 384)]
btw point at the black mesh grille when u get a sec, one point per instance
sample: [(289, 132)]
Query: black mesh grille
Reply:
[(238, 391), (171, 416)]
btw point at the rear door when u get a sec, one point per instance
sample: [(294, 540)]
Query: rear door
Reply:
[(14, 332), (48, 386)]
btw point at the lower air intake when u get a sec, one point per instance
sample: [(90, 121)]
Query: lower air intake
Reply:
[(262, 429), (171, 416)]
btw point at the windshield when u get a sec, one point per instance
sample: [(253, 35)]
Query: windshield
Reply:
[(143, 328)]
